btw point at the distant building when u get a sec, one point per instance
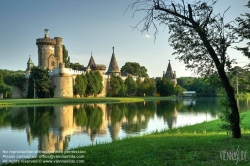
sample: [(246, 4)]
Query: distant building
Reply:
[(170, 74)]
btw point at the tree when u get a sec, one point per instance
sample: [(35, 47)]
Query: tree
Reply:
[(165, 87), (131, 85), (199, 38), (117, 86), (39, 78), (243, 30), (76, 66), (94, 83), (178, 90), (134, 68), (66, 58), (80, 85), (145, 86)]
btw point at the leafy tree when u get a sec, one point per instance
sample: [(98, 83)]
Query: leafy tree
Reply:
[(203, 86), (80, 85), (131, 85), (243, 30), (98, 80), (178, 90), (199, 38), (66, 58), (91, 87), (117, 86), (94, 83), (76, 66), (146, 87), (39, 79), (165, 87), (16, 79), (135, 69)]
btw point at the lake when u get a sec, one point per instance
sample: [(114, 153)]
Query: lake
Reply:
[(29, 130)]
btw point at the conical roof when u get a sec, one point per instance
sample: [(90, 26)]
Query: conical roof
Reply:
[(169, 71), (113, 65), (30, 60), (91, 61)]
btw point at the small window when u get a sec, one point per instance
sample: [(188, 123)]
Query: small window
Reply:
[(52, 63)]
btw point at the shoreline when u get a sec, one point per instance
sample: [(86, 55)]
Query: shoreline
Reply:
[(85, 100)]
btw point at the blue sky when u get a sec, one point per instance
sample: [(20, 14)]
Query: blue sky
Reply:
[(91, 25)]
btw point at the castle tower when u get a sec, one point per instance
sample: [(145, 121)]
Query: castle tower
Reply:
[(63, 82), (91, 61), (113, 65), (170, 74), (49, 51), (30, 64)]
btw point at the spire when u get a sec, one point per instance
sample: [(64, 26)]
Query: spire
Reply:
[(30, 60), (30, 64), (169, 71), (113, 66), (91, 61)]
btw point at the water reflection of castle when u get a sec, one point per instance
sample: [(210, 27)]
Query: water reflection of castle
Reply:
[(53, 126), (62, 122)]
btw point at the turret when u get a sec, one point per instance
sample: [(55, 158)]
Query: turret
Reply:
[(113, 65)]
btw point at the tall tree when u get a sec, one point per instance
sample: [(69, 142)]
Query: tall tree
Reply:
[(165, 87), (80, 85), (199, 38), (131, 85), (135, 69), (94, 83), (117, 86), (39, 78), (66, 58)]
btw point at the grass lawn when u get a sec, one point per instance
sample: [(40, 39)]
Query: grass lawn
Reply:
[(46, 101), (202, 144)]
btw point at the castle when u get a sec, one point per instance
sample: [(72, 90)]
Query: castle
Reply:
[(50, 55)]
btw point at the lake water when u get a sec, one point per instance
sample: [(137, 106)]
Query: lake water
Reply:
[(29, 130)]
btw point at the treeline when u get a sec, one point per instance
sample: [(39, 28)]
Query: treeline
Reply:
[(130, 87), (203, 87)]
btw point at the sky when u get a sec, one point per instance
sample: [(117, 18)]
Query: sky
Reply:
[(97, 26)]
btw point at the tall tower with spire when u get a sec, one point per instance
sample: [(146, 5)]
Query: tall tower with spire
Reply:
[(30, 64), (113, 65), (170, 74)]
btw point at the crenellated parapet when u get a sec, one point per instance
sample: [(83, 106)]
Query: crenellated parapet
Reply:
[(65, 71)]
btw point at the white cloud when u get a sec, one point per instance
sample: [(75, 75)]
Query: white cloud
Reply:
[(147, 36)]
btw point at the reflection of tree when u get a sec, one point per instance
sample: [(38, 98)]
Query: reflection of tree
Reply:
[(166, 109), (137, 116), (39, 120), (18, 118), (116, 112), (80, 116), (203, 105), (94, 115), (5, 117)]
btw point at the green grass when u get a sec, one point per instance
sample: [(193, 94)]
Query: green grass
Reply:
[(46, 101), (199, 144)]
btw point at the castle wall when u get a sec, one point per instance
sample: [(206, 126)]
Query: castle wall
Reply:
[(63, 85)]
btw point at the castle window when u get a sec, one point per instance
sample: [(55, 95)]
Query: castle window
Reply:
[(52, 63)]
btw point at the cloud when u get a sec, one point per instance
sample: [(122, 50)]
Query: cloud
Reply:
[(147, 36)]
